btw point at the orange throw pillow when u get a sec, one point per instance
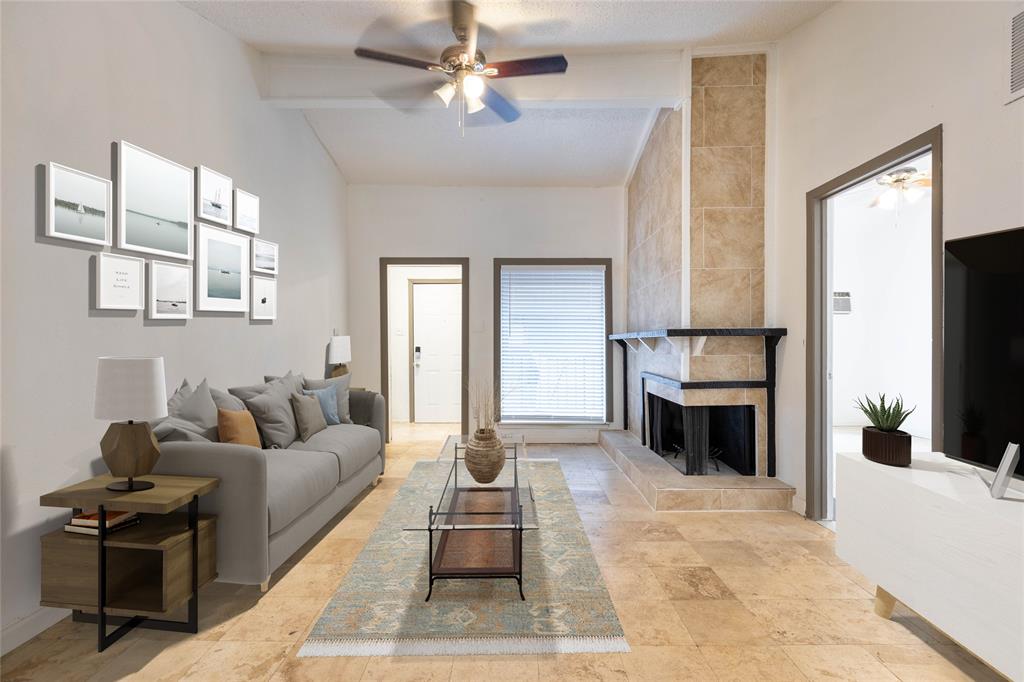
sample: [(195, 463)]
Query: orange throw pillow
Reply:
[(237, 427)]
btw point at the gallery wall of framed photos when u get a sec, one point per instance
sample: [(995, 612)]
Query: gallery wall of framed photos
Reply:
[(176, 216)]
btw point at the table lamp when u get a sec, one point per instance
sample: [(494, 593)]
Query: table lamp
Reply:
[(338, 353), (130, 392)]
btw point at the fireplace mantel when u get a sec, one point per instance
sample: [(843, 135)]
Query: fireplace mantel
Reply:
[(649, 338)]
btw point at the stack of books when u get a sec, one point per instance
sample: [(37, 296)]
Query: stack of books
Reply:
[(88, 523)]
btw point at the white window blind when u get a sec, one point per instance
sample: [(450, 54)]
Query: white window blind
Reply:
[(553, 343)]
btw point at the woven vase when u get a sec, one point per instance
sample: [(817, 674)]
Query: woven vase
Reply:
[(485, 455)]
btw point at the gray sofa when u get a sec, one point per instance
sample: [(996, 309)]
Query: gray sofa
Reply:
[(270, 502)]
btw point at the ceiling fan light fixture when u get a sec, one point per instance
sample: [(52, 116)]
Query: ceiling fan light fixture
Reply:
[(473, 86), (474, 104), (445, 93)]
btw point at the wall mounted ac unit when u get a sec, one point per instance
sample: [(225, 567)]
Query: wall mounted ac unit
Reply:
[(1015, 55)]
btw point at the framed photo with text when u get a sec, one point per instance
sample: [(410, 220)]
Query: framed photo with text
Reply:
[(119, 282)]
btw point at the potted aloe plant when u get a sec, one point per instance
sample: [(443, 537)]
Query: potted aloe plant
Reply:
[(883, 442)]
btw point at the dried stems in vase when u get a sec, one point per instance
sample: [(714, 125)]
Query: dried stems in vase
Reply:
[(481, 402)]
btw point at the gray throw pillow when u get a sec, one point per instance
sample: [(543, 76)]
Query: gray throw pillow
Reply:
[(226, 401), (199, 409), (308, 415), (341, 385), (292, 381), (273, 414), (177, 429), (245, 393), (175, 401)]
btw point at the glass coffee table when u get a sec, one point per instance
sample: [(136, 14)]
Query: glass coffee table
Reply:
[(475, 531)]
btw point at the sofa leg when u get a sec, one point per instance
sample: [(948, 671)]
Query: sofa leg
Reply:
[(375, 482), (264, 586)]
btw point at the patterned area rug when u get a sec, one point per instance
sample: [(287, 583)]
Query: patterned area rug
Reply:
[(379, 609)]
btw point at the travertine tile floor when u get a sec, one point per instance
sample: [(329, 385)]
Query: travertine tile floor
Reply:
[(701, 595)]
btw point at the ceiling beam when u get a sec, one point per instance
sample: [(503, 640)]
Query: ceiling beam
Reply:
[(620, 81)]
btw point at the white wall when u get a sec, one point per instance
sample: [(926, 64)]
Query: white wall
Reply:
[(481, 223), (77, 77), (856, 81), (883, 258), (398, 328)]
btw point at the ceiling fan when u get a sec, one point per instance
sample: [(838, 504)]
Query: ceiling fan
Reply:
[(466, 70), (906, 182)]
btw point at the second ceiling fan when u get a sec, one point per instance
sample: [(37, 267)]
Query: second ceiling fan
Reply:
[(466, 70)]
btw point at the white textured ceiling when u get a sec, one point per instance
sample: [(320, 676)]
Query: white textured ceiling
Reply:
[(573, 26), (562, 147), (547, 146)]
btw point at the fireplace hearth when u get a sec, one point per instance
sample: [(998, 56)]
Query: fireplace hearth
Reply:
[(704, 439)]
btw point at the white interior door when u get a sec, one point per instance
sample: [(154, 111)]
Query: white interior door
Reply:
[(437, 352)]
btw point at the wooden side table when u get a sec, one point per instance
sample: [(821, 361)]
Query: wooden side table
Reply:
[(136, 576)]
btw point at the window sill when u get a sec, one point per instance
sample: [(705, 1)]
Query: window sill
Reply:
[(596, 425)]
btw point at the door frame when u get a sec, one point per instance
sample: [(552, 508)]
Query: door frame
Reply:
[(817, 357), (385, 261), (412, 339)]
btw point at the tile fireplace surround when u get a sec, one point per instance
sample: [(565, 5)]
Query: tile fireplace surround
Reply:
[(665, 354), (695, 263)]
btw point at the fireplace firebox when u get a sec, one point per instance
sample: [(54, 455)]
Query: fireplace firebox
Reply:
[(704, 439)]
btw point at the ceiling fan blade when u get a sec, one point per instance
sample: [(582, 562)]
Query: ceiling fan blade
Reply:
[(530, 67), (464, 25), (497, 103), (922, 182), (394, 59)]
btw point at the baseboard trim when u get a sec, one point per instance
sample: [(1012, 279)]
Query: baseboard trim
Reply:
[(20, 631)]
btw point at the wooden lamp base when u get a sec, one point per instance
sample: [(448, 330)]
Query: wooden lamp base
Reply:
[(129, 449)]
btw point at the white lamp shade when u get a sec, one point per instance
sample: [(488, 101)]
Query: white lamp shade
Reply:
[(130, 388), (340, 350)]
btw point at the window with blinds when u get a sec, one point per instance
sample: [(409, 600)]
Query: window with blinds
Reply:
[(553, 343)]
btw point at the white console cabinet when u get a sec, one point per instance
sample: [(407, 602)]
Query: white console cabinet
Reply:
[(932, 537)]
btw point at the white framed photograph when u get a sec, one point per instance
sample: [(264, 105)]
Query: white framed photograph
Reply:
[(170, 291), (264, 257), (247, 212), (222, 270), (264, 298), (119, 284), (78, 205), (154, 197), (213, 196)]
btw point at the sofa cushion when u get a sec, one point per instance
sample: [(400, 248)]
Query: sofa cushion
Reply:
[(237, 426), (341, 385), (176, 429), (354, 445), (309, 418), (328, 399), (297, 480), (272, 410), (225, 401)]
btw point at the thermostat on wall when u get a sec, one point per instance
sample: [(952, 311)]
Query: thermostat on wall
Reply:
[(841, 304)]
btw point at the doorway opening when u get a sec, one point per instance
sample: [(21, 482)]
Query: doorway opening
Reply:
[(424, 347), (874, 316)]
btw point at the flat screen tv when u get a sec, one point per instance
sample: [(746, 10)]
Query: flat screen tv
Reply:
[(983, 373)]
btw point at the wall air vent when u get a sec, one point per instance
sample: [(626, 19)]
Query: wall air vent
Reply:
[(1016, 58)]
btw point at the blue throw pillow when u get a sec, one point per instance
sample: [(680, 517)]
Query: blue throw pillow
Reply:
[(328, 398)]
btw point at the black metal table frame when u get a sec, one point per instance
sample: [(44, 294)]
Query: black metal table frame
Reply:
[(517, 515), (126, 624)]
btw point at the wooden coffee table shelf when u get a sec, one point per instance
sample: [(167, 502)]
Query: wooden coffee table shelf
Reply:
[(138, 576)]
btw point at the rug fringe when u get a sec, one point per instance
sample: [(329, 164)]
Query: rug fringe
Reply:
[(466, 646)]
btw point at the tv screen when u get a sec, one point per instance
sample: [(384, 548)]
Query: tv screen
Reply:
[(983, 387)]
